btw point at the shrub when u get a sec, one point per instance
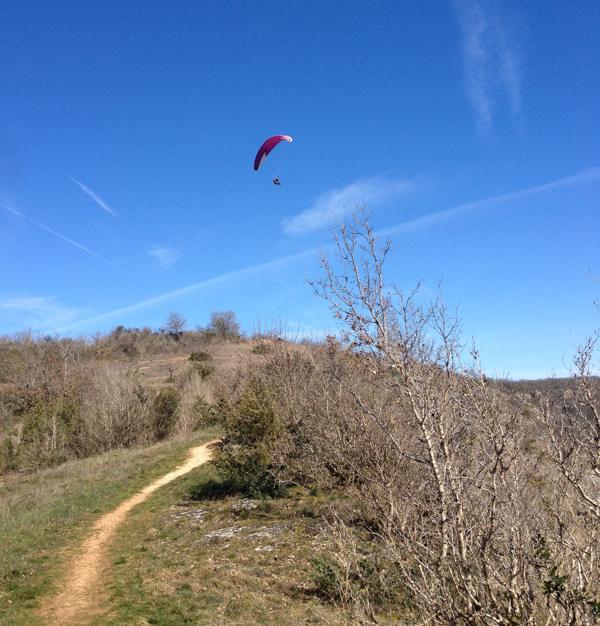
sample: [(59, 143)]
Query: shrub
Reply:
[(116, 411), (261, 348), (357, 575), (50, 434), (203, 369), (8, 461), (204, 414), (165, 412), (326, 577), (252, 427), (224, 324)]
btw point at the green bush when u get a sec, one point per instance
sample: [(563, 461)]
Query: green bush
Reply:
[(205, 414), (326, 576), (262, 348), (252, 428), (51, 433), (364, 577), (557, 587), (203, 369), (8, 460), (165, 412), (197, 357)]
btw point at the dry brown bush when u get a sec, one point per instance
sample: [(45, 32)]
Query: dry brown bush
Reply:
[(116, 410), (62, 398), (484, 517), (196, 396)]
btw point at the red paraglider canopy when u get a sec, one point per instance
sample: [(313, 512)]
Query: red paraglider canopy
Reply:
[(267, 146)]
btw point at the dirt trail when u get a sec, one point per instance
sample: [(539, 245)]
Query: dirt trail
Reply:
[(81, 595)]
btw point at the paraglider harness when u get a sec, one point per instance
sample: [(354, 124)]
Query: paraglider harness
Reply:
[(276, 181)]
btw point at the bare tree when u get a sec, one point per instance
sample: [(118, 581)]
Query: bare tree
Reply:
[(462, 504), (224, 324), (175, 324), (569, 543)]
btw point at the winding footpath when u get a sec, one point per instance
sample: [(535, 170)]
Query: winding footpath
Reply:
[(81, 597)]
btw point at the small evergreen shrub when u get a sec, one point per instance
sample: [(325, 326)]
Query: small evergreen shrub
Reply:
[(252, 427), (165, 412), (204, 370), (261, 348)]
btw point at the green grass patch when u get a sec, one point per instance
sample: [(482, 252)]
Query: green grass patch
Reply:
[(43, 516), (196, 553)]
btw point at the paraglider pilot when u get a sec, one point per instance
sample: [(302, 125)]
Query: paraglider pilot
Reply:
[(264, 150)]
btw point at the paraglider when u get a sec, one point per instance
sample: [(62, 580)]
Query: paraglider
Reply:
[(266, 148)]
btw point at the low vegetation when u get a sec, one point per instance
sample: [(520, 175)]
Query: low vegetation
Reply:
[(63, 398), (474, 502), (377, 477), (200, 553), (43, 514)]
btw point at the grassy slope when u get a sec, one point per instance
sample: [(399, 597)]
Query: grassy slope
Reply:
[(44, 514), (166, 572)]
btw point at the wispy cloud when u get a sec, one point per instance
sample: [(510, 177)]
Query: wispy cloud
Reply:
[(491, 64), (590, 175), (71, 242), (337, 203), (95, 197), (196, 287), (39, 312), (165, 257)]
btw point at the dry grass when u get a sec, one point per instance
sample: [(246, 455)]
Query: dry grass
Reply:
[(230, 359)]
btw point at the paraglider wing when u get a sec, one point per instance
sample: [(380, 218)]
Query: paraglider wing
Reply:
[(267, 146)]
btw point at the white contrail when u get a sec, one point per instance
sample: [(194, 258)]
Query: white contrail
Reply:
[(95, 197), (203, 284), (56, 234), (589, 175)]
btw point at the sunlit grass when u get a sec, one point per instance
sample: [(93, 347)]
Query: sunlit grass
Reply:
[(43, 516), (166, 571)]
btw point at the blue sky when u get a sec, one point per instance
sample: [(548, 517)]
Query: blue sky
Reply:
[(470, 128)]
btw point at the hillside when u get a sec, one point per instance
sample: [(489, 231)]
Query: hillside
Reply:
[(297, 520), (376, 477), (69, 398)]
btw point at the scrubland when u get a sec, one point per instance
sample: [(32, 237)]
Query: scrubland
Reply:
[(68, 398), (469, 500), (376, 477)]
